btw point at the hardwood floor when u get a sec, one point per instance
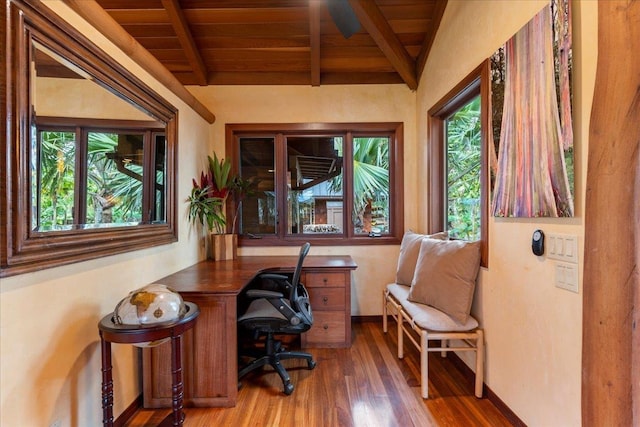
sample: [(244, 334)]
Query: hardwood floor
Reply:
[(364, 386)]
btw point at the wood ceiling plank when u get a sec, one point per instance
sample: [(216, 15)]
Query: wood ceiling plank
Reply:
[(421, 60), (246, 16), (245, 4), (181, 27), (139, 16), (377, 26), (399, 26), (338, 40), (155, 30), (151, 43), (314, 41), (355, 53), (128, 4), (253, 42), (417, 10), (366, 64), (277, 30)]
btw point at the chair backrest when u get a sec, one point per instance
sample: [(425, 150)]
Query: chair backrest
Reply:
[(299, 297), (304, 250)]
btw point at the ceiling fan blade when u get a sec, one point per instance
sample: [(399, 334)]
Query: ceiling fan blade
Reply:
[(344, 17)]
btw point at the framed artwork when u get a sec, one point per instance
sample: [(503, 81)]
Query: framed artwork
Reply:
[(532, 164)]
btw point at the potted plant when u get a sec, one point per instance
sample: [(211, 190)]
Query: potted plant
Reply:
[(207, 206)]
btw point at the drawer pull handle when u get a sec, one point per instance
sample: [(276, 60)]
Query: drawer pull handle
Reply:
[(325, 300), (325, 280), (325, 327)]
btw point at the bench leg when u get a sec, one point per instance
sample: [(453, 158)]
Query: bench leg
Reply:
[(424, 365), (384, 311), (400, 335), (479, 362)]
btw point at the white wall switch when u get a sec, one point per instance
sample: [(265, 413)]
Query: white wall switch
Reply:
[(566, 276), (563, 247)]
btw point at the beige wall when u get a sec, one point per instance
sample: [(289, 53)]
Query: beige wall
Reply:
[(49, 339), (358, 103), (81, 99), (533, 329)]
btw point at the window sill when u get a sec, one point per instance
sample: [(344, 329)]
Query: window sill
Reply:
[(324, 240)]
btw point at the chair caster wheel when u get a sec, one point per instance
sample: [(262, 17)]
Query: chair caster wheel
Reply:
[(288, 389), (311, 364)]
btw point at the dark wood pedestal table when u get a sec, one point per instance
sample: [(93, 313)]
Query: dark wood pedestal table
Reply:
[(129, 334)]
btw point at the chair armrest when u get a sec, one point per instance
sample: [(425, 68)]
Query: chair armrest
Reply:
[(273, 276), (261, 293)]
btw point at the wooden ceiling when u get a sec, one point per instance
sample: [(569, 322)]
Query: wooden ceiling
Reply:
[(272, 42)]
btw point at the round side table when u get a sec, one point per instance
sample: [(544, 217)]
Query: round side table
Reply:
[(130, 334)]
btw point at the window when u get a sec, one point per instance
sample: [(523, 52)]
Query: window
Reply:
[(463, 161), (97, 177), (457, 154), (325, 183)]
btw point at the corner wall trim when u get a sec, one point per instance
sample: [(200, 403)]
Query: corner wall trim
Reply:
[(91, 11)]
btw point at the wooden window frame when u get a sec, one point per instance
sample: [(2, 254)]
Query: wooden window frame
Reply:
[(474, 84), (348, 238)]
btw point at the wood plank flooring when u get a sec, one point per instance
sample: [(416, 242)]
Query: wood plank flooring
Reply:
[(363, 386)]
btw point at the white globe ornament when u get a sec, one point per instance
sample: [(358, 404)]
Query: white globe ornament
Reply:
[(154, 304)]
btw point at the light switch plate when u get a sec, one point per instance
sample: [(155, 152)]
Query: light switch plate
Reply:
[(566, 276), (562, 247)]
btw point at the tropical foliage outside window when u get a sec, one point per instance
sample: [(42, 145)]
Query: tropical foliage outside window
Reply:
[(96, 178), (463, 147)]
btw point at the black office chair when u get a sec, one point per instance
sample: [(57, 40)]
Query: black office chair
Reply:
[(275, 304)]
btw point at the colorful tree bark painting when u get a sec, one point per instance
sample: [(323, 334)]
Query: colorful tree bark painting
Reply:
[(535, 137)]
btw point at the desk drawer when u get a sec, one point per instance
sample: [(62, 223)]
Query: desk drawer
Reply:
[(328, 330), (315, 280), (324, 299)]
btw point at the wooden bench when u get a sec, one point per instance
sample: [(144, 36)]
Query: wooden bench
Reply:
[(422, 323)]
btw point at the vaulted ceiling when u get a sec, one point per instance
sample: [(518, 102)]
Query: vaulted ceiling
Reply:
[(247, 42)]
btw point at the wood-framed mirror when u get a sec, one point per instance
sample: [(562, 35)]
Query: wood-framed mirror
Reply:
[(90, 160)]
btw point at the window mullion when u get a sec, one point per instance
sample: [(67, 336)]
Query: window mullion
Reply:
[(148, 176), (281, 185), (347, 187), (82, 161)]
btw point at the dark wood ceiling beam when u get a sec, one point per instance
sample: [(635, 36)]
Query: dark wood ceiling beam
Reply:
[(181, 27), (372, 19), (314, 41), (421, 60)]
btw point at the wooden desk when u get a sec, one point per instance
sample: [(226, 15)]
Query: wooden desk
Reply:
[(210, 350)]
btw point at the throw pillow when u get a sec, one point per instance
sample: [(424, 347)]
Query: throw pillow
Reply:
[(409, 251), (445, 276)]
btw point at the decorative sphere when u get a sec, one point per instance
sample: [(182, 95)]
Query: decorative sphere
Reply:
[(150, 305)]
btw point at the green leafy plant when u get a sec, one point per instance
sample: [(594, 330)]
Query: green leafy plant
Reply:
[(209, 196), (205, 209)]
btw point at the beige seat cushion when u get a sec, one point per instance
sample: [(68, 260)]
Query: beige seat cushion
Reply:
[(409, 250), (445, 276), (428, 317)]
